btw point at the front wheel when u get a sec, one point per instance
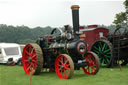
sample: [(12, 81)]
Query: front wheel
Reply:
[(64, 66), (93, 64)]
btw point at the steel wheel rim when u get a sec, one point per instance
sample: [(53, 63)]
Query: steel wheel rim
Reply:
[(103, 51), (92, 66), (29, 59), (63, 67)]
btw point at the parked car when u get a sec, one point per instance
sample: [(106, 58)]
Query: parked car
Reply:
[(10, 53)]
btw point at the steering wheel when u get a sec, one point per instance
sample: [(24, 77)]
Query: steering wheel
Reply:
[(117, 31), (56, 32)]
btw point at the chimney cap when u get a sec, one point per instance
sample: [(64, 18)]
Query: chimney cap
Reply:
[(75, 7)]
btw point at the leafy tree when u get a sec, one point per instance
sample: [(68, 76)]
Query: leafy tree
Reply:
[(121, 17), (126, 3)]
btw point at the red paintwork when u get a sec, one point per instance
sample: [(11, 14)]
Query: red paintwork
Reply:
[(62, 61), (82, 27), (29, 52), (92, 34), (92, 66), (78, 48), (92, 26)]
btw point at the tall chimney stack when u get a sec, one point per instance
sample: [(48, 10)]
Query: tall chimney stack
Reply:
[(75, 18)]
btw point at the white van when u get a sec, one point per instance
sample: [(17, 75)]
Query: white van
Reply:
[(10, 53)]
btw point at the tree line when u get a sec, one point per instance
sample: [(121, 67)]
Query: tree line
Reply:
[(22, 34)]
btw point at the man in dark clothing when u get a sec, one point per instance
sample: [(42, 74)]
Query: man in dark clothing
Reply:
[(68, 29)]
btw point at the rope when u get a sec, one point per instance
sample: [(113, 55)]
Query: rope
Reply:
[(120, 66), (30, 76)]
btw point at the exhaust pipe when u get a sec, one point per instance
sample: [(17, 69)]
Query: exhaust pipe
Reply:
[(75, 18)]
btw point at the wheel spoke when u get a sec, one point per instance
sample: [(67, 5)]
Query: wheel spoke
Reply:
[(25, 60), (67, 66), (27, 53), (68, 71), (88, 68), (99, 48), (107, 60), (106, 46), (94, 61), (66, 61), (96, 48), (106, 50), (33, 56), (89, 57), (103, 61), (59, 65), (108, 53), (96, 51), (65, 74), (32, 66), (28, 68), (32, 50), (92, 68), (95, 65), (100, 45), (103, 47), (100, 59), (61, 61), (107, 56), (34, 61)]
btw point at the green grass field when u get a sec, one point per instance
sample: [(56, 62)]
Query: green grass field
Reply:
[(14, 75)]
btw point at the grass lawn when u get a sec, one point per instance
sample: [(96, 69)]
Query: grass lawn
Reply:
[(14, 75)]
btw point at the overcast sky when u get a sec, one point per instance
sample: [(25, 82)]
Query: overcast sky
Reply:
[(57, 13)]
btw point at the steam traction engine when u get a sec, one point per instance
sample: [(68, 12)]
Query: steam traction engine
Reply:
[(111, 48), (62, 52)]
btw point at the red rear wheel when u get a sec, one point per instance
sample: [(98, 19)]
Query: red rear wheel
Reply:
[(32, 59), (64, 66), (93, 64)]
